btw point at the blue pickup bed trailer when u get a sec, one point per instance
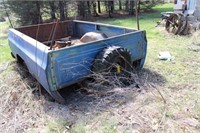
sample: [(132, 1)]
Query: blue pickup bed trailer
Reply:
[(57, 69)]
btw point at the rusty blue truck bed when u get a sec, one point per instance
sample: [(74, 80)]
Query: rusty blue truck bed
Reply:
[(56, 69)]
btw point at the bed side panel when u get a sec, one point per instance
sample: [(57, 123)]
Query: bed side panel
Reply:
[(43, 32), (81, 27), (72, 64), (32, 52)]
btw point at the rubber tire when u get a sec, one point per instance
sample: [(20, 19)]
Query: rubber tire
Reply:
[(114, 54)]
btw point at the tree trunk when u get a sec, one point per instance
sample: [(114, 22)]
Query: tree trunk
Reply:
[(88, 8), (139, 6), (109, 9), (65, 11), (81, 9), (120, 5), (53, 10), (106, 5), (95, 9), (62, 10), (127, 6), (99, 6), (36, 16), (131, 12), (112, 7)]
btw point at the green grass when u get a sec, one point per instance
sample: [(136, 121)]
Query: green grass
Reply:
[(159, 40), (4, 48), (147, 20)]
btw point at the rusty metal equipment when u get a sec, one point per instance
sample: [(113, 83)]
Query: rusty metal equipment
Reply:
[(184, 19)]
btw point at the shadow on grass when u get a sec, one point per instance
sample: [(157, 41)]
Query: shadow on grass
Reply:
[(148, 76)]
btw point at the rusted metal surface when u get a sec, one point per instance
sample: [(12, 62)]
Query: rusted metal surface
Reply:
[(185, 19), (54, 33), (173, 24), (44, 30)]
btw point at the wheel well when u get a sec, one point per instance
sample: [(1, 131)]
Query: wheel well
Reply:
[(136, 64), (19, 59)]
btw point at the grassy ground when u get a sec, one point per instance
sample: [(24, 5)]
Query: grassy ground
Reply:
[(168, 99), (4, 49), (158, 40)]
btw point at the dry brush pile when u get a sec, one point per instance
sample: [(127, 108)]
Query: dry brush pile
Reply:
[(25, 107)]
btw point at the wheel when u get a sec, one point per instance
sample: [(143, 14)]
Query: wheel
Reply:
[(56, 95), (113, 62), (173, 24)]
